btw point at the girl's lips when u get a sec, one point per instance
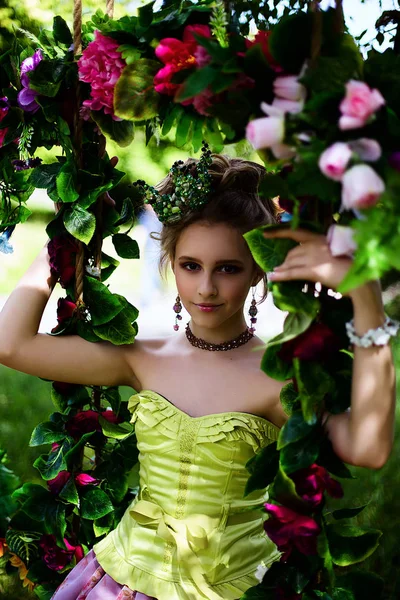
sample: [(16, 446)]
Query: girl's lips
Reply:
[(208, 307)]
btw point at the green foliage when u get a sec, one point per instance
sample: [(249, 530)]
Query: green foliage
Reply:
[(135, 98)]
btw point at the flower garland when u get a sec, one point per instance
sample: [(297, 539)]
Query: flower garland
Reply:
[(328, 129)]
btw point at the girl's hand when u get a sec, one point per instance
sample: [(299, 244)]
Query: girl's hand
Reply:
[(311, 259)]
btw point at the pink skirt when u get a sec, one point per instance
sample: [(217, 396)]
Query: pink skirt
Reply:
[(88, 581)]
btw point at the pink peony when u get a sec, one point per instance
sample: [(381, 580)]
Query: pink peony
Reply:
[(359, 104), (341, 240), (362, 187), (334, 160), (289, 529), (101, 66), (288, 87), (178, 55), (313, 481), (367, 149)]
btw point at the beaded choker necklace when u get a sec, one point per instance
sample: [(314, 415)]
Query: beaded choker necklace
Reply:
[(243, 338)]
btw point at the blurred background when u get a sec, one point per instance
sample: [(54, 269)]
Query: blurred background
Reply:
[(25, 400)]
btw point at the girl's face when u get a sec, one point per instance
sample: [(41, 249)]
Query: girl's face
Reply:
[(214, 270)]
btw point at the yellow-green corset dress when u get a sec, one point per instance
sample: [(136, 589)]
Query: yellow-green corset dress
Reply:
[(190, 534)]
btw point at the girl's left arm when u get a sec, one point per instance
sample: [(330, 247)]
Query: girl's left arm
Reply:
[(363, 436)]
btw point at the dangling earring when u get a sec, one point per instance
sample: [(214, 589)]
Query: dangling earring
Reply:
[(252, 312), (177, 308)]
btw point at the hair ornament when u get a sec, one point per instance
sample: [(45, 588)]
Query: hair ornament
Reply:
[(191, 191)]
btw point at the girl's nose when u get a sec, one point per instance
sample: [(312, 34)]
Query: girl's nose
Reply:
[(207, 287)]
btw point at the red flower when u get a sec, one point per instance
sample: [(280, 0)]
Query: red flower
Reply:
[(88, 420), (4, 107), (65, 310), (288, 529), (262, 38), (178, 55), (312, 482), (56, 484), (84, 479), (57, 558), (318, 342), (62, 254)]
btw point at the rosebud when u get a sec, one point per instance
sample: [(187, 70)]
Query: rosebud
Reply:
[(334, 160), (341, 240), (289, 88), (362, 187)]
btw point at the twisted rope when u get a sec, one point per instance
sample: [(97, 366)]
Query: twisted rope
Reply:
[(110, 8)]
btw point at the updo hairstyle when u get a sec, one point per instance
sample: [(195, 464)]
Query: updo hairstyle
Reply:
[(233, 200)]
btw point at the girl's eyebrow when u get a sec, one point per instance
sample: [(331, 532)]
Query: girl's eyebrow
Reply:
[(218, 262)]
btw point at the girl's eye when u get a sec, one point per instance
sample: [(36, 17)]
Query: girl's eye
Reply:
[(190, 266), (230, 269)]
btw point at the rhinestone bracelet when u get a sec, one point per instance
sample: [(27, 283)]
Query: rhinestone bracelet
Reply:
[(377, 337)]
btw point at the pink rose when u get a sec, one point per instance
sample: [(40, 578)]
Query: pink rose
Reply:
[(359, 104), (362, 187), (341, 240), (334, 160), (289, 88), (265, 132), (367, 149)]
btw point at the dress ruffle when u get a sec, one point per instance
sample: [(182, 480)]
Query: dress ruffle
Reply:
[(165, 589), (154, 410)]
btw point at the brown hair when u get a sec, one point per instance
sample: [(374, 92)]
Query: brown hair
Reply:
[(234, 200)]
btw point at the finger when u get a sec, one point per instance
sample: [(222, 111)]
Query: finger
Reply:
[(114, 161), (293, 273), (299, 235)]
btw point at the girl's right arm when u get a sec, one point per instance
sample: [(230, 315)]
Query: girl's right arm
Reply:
[(68, 358)]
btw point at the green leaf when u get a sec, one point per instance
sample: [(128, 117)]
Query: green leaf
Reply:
[(112, 395), (329, 459), (342, 594), (80, 223), (347, 513), (103, 305), (295, 429), (283, 490), (288, 296), (121, 132), (113, 430), (196, 83), (66, 182), (145, 14), (125, 246), (94, 503), (299, 455), (49, 511), (118, 331), (268, 253), (263, 467), (45, 591), (174, 113), (290, 41), (314, 382), (289, 398), (49, 465), (24, 544), (47, 76), (349, 545), (135, 98), (129, 53), (182, 130), (46, 433), (103, 525), (197, 137), (45, 175), (363, 584), (69, 492), (61, 32)]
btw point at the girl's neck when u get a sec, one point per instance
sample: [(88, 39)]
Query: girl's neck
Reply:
[(228, 330)]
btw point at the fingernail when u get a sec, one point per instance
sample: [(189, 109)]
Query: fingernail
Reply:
[(270, 275)]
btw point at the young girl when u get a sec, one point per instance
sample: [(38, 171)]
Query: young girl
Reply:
[(204, 407)]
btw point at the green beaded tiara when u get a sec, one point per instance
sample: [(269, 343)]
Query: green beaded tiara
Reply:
[(190, 191)]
